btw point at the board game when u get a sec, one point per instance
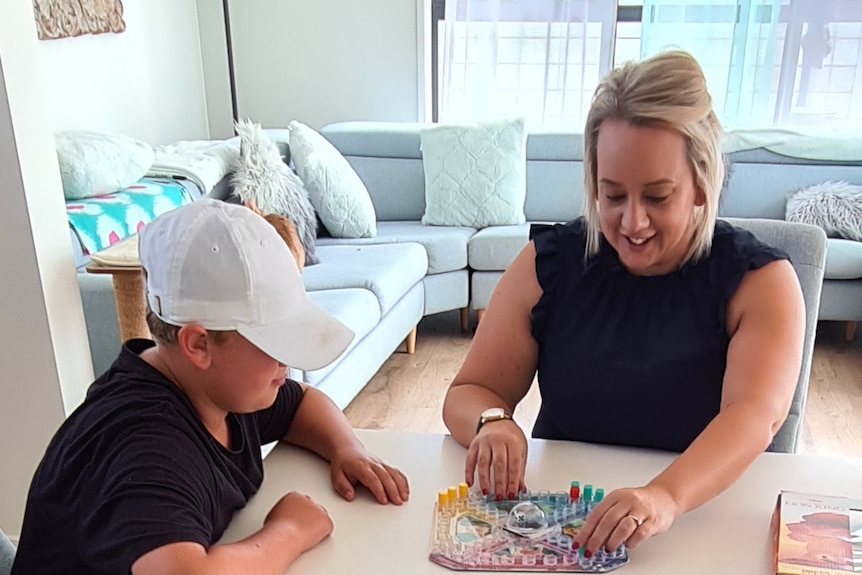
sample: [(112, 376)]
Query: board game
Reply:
[(533, 532)]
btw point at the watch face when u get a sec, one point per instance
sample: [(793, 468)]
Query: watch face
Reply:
[(494, 413)]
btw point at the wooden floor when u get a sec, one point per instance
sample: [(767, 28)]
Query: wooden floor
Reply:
[(407, 392)]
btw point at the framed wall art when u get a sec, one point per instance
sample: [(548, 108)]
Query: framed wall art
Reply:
[(65, 18)]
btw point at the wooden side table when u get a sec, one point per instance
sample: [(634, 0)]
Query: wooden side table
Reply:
[(122, 263)]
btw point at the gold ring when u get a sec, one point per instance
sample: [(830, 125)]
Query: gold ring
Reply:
[(637, 521)]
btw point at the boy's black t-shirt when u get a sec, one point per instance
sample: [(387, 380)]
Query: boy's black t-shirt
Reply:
[(134, 468)]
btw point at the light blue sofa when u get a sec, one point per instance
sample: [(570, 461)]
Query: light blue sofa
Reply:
[(376, 290), (381, 287), (388, 159)]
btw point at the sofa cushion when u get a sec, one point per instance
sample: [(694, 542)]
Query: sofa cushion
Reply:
[(447, 291), (342, 381), (843, 259), (446, 246), (356, 308), (388, 271), (376, 139), (494, 248), (335, 190), (93, 163), (475, 175)]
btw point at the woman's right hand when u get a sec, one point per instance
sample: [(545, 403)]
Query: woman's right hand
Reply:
[(309, 519), (498, 452)]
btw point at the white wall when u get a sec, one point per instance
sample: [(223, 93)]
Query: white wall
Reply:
[(146, 82), (323, 61), (215, 68), (44, 356)]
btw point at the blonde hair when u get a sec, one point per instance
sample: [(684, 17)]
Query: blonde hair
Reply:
[(666, 90)]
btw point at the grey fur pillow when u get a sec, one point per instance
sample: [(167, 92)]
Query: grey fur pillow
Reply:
[(834, 206), (261, 175)]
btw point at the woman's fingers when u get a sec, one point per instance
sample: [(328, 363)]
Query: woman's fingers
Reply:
[(628, 516), (483, 466), (497, 459)]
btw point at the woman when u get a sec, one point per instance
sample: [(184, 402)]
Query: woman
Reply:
[(688, 330)]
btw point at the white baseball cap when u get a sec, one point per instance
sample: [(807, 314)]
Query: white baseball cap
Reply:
[(225, 268)]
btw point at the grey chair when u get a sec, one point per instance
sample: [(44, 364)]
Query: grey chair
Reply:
[(7, 554), (806, 246)]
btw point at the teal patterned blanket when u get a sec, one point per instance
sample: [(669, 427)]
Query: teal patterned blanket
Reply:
[(103, 220)]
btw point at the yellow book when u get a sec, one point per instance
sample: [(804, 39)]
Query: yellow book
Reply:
[(817, 535)]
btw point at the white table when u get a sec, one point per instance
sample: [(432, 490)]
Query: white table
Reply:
[(729, 535)]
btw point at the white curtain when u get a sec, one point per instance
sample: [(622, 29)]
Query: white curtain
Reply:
[(538, 59), (768, 62)]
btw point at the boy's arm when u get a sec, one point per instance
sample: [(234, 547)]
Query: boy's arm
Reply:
[(321, 427), (295, 524), (270, 550)]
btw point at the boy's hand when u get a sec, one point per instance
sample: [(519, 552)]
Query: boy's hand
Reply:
[(353, 465), (308, 519)]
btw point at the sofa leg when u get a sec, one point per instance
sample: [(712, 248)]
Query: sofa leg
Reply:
[(410, 342), (465, 318), (479, 314), (849, 330)]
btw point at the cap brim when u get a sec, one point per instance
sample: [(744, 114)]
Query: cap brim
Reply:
[(309, 340)]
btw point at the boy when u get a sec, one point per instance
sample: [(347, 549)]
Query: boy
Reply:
[(146, 474)]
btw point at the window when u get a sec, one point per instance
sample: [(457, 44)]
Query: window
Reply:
[(540, 59), (767, 62)]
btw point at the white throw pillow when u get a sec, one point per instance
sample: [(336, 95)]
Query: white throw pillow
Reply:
[(94, 164), (834, 206), (336, 192), (475, 175)]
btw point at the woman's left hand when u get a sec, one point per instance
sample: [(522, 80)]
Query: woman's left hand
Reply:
[(628, 516)]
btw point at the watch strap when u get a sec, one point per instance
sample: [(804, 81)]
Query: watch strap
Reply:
[(484, 419)]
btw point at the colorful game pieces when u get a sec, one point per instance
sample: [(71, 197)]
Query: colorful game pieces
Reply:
[(533, 532)]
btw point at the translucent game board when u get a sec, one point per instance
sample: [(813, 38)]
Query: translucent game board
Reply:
[(533, 532)]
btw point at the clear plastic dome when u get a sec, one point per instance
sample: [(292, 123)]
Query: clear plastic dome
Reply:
[(526, 517)]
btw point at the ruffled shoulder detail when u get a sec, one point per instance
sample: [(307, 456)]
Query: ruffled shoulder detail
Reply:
[(736, 251), (560, 252)]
